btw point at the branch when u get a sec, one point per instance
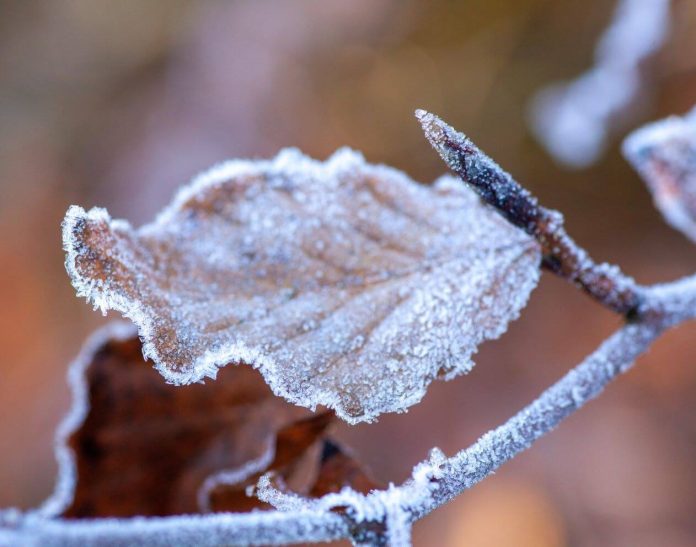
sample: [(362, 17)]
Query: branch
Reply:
[(668, 305), (603, 282), (580, 385), (386, 516), (433, 483), (260, 528)]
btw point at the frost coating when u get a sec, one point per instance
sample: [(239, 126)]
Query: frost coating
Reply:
[(346, 284), (432, 484), (393, 507), (573, 120), (258, 528), (664, 154)]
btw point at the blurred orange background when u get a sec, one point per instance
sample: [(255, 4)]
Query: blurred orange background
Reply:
[(117, 104)]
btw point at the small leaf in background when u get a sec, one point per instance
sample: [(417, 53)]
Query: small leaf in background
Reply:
[(339, 469), (294, 458), (327, 471), (664, 154), (346, 284), (138, 446)]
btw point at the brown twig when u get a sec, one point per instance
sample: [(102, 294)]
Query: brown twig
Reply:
[(433, 483), (561, 255)]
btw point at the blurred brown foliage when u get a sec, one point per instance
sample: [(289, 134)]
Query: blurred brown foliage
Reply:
[(119, 105), (147, 447)]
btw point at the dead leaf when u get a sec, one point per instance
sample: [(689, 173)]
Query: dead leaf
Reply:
[(330, 470), (290, 459), (664, 154), (347, 284), (338, 470), (134, 445)]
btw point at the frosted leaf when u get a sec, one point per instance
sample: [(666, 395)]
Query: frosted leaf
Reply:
[(664, 153), (346, 284), (64, 490), (294, 456), (133, 445)]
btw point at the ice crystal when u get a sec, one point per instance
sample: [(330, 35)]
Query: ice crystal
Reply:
[(283, 501), (664, 153), (346, 284), (573, 120), (257, 528), (384, 506)]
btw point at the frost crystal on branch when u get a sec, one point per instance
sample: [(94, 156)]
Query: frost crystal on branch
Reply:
[(573, 120), (347, 284), (664, 154)]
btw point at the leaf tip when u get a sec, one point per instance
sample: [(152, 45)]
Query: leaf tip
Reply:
[(421, 114), (431, 124), (449, 143)]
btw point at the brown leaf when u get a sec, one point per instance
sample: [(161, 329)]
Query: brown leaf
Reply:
[(143, 447), (347, 284), (339, 469), (292, 460), (329, 471), (664, 154)]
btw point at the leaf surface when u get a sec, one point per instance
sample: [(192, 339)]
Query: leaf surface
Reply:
[(664, 154), (134, 445), (346, 284)]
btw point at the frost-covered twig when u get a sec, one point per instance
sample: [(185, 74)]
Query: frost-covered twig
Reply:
[(385, 516), (668, 305), (260, 528), (573, 120), (433, 483), (604, 282)]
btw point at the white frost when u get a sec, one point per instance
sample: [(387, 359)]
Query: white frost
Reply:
[(394, 507)]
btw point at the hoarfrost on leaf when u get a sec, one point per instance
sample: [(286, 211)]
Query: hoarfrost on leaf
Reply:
[(346, 284), (664, 154)]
